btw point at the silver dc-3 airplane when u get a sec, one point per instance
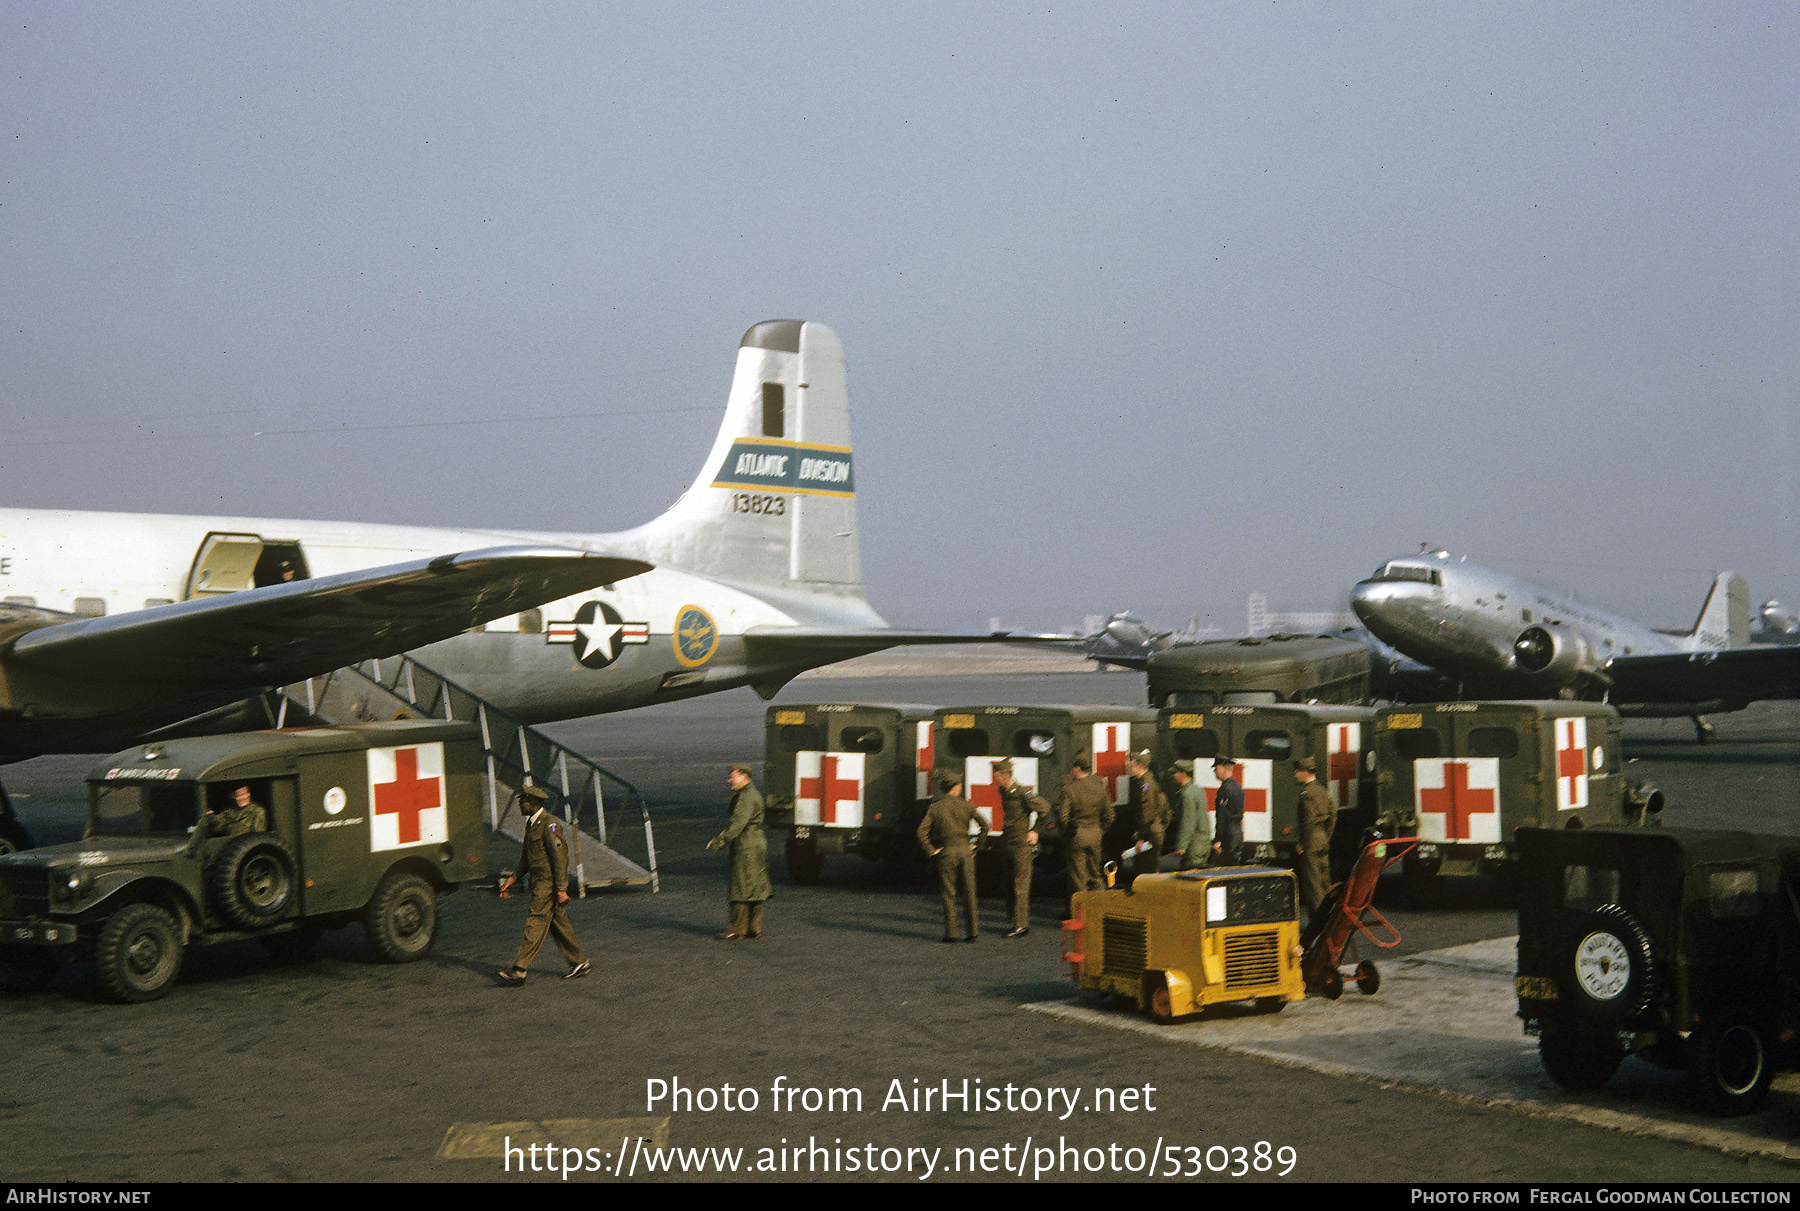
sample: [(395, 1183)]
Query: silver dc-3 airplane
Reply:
[(115, 625), (1495, 636)]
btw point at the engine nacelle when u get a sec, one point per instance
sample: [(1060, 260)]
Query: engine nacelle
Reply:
[(1555, 654)]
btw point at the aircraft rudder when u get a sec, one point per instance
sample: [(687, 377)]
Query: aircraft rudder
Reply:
[(1724, 620)]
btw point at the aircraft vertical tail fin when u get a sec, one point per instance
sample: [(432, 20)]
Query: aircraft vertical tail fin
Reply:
[(774, 505), (1724, 620)]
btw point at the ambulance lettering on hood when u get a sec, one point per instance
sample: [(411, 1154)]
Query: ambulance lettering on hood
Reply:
[(406, 797), (768, 465)]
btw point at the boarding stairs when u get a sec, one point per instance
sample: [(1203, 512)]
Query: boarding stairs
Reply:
[(399, 687)]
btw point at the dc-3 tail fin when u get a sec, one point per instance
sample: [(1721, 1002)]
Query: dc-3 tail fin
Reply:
[(774, 506), (1724, 620)]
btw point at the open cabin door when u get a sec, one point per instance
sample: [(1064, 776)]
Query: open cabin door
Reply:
[(226, 563)]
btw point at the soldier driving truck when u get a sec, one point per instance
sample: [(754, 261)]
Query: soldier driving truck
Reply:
[(365, 823)]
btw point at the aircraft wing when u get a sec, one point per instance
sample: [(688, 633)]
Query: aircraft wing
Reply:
[(1728, 675), (283, 632), (841, 643)]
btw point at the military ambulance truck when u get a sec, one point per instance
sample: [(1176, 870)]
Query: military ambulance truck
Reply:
[(1678, 945), (1042, 742), (367, 822), (1464, 776), (1264, 742), (846, 778)]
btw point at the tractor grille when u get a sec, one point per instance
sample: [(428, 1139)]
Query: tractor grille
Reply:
[(1252, 959), (1124, 942)]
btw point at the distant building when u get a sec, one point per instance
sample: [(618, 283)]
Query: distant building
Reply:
[(1263, 621)]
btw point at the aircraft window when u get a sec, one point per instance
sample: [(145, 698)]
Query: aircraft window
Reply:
[(803, 737), (90, 607), (1191, 698), (1195, 743), (1277, 745), (860, 740), (1493, 742), (150, 603), (24, 601), (1418, 742), (1396, 571), (531, 622), (774, 422), (1586, 887), (1033, 744), (1732, 893), (968, 742)]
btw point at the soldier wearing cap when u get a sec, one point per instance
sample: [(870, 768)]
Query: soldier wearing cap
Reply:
[(749, 887), (1194, 845), (1317, 818), (1228, 810), (545, 856), (1084, 812), (944, 835), (1017, 808), (245, 815), (1152, 812)]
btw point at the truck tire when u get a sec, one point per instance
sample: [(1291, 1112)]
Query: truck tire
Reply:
[(1158, 1005), (139, 953), (402, 918), (1609, 973), (1579, 1061), (1731, 1063), (252, 880)]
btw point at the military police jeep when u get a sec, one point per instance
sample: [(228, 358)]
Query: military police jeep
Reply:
[(367, 822), (1679, 945)]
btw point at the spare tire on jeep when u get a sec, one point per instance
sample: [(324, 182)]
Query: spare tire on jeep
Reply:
[(1609, 973), (252, 880)]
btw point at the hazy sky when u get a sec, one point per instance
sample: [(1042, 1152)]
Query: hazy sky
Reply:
[(1145, 306)]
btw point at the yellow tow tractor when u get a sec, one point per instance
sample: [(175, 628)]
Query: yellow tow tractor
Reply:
[(1176, 944)]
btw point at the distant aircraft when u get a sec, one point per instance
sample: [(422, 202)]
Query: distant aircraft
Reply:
[(120, 623), (1500, 637), (1775, 623)]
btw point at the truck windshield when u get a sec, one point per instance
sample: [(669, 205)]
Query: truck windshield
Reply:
[(140, 810)]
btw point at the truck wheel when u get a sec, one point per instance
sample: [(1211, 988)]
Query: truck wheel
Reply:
[(402, 919), (1578, 1061), (1731, 1063), (252, 880), (1157, 1002), (1270, 1004), (139, 952), (804, 862), (1607, 969)]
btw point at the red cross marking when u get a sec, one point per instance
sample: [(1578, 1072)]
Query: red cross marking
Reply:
[(1457, 800), (1256, 798), (408, 795), (987, 794), (923, 762), (1111, 748), (829, 789), (1340, 766), (1571, 757)]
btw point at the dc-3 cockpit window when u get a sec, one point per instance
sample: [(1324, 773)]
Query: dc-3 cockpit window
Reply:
[(1401, 571), (138, 809)]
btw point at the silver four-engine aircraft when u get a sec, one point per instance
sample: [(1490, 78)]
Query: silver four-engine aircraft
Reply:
[(1496, 636), (117, 624)]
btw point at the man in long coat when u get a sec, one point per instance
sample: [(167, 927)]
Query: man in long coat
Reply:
[(545, 856), (749, 858), (1318, 819)]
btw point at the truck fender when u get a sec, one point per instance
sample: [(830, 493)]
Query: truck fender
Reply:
[(1181, 992), (115, 889)]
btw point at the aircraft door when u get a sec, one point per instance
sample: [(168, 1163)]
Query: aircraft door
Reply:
[(225, 563)]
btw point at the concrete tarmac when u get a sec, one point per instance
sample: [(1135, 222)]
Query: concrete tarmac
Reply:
[(846, 1044)]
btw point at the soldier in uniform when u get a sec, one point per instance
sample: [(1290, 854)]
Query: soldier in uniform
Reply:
[(944, 835), (1194, 845), (1152, 813), (749, 858), (1317, 818), (545, 855), (245, 816), (1228, 809), (1084, 812), (1017, 804)]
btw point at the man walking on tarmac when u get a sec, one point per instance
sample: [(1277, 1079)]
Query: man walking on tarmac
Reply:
[(546, 857)]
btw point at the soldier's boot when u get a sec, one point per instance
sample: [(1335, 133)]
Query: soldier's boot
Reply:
[(740, 922), (754, 927)]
